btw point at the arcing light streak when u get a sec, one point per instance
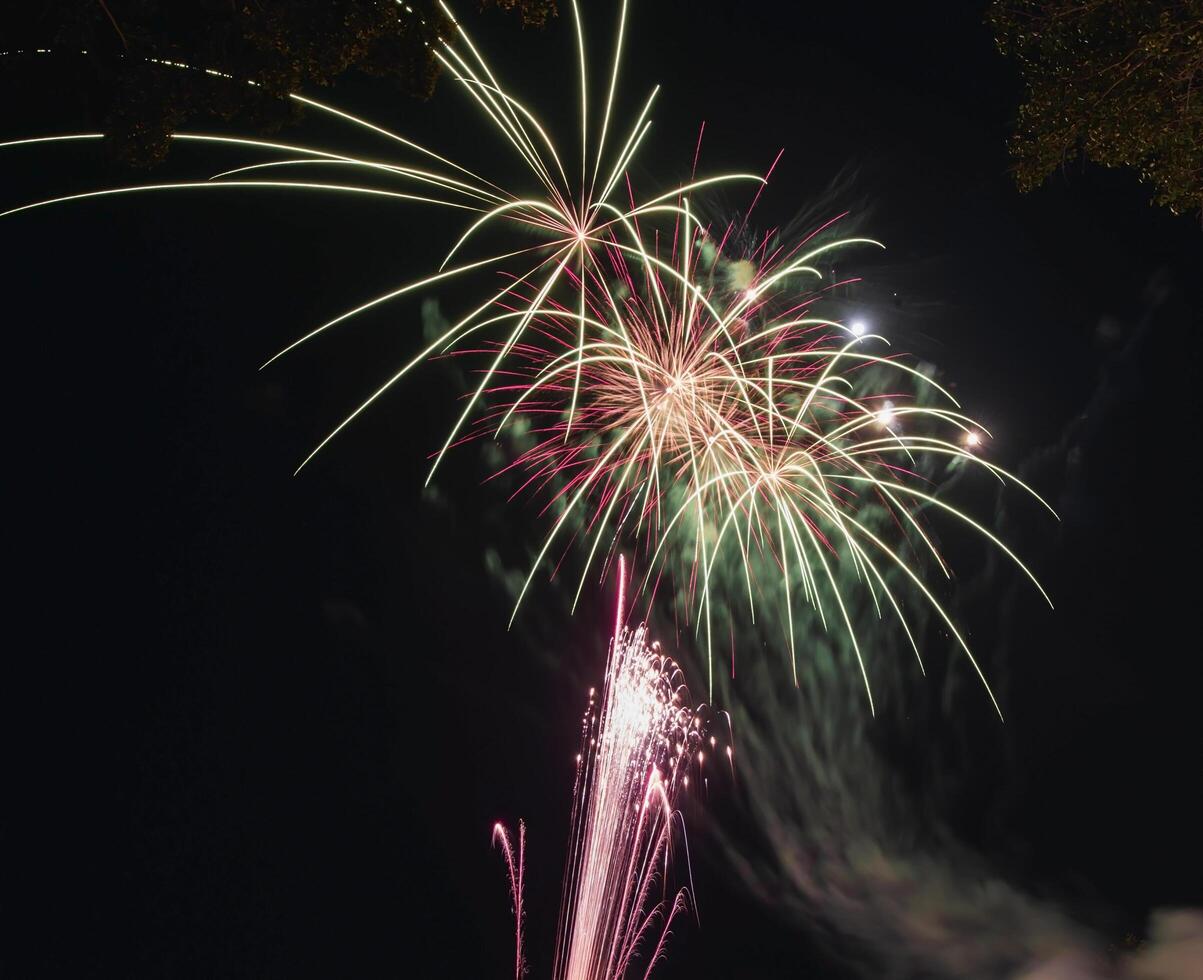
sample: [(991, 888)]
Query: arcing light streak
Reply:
[(515, 866), (637, 748)]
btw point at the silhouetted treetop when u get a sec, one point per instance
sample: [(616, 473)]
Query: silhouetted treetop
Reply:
[(1118, 81), (283, 46)]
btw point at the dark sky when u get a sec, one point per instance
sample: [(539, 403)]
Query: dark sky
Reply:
[(267, 722)]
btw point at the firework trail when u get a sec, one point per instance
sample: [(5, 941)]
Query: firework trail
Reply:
[(515, 866), (638, 747)]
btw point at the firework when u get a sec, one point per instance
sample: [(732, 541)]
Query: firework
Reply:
[(682, 388), (716, 414), (638, 745)]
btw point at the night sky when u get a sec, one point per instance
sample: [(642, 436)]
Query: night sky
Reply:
[(265, 723)]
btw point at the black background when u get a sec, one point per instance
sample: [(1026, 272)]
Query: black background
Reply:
[(265, 722)]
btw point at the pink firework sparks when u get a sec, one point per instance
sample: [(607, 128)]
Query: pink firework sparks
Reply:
[(515, 866), (638, 746)]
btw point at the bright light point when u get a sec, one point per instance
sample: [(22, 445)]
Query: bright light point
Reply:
[(858, 328), (885, 415), (749, 294), (972, 440)]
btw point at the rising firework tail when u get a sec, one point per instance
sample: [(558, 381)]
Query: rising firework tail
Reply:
[(640, 740), (515, 867)]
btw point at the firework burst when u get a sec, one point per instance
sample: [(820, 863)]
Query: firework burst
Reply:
[(715, 414), (682, 388)]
